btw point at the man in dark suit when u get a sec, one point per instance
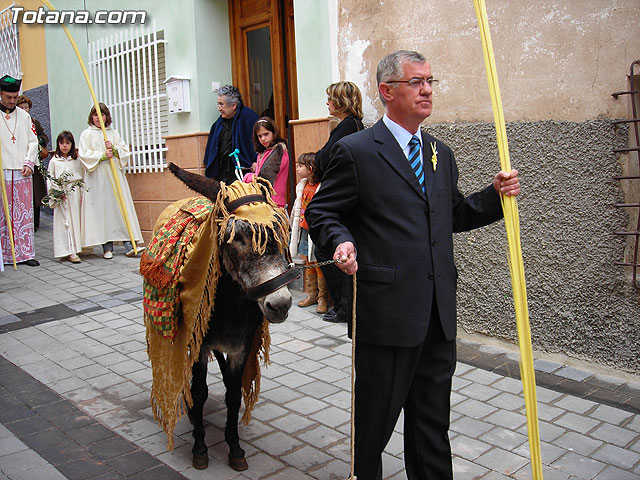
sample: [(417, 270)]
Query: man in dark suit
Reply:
[(372, 203)]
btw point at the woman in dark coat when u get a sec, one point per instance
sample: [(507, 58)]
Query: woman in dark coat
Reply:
[(344, 102), (232, 130)]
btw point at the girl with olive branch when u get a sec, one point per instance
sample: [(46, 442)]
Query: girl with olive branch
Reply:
[(65, 184)]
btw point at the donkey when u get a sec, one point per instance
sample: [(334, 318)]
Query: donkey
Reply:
[(243, 299)]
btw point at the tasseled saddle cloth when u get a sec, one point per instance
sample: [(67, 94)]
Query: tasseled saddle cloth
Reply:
[(162, 263), (181, 269)]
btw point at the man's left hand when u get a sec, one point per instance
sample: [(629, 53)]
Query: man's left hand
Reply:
[(507, 183), (26, 171)]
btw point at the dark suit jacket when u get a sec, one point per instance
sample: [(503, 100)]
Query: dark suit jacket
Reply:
[(371, 197)]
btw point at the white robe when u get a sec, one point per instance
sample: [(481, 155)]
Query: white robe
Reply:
[(17, 153), (24, 151), (101, 218), (66, 216)]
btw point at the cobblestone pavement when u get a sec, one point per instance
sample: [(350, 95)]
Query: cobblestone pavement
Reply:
[(75, 382)]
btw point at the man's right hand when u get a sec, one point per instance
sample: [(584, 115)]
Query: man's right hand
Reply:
[(345, 257)]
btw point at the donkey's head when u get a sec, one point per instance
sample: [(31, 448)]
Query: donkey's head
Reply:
[(251, 268), (251, 250)]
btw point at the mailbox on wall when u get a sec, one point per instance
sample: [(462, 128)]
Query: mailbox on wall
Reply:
[(178, 94)]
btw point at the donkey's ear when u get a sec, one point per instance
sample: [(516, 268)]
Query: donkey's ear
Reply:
[(209, 187)]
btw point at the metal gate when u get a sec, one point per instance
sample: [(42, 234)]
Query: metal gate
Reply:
[(127, 70), (9, 45)]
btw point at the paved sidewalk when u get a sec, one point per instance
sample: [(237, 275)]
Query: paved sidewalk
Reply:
[(75, 382)]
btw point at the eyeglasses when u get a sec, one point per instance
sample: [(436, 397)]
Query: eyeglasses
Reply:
[(416, 82)]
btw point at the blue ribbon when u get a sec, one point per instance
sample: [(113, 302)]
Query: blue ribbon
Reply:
[(235, 154), (238, 170)]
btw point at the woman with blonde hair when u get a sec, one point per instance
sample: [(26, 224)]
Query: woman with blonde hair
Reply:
[(344, 101)]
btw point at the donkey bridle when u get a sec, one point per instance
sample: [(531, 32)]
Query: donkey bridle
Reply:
[(279, 281)]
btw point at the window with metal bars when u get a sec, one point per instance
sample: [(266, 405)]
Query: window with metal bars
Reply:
[(9, 45), (128, 72)]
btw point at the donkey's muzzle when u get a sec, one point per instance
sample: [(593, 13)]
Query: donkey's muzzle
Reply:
[(279, 281)]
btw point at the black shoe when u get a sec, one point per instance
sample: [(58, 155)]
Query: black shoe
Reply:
[(31, 262), (334, 316)]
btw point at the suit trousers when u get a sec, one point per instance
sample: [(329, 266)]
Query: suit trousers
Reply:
[(418, 380)]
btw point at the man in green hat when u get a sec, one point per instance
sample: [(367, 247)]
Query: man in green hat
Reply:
[(19, 149)]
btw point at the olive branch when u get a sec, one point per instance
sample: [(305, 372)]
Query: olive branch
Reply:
[(60, 187)]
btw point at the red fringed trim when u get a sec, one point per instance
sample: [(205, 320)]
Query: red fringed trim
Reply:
[(155, 272)]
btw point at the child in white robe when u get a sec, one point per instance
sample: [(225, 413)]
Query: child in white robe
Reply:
[(102, 220), (66, 215)]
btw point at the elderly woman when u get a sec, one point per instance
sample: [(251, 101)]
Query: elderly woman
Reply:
[(232, 130), (344, 102)]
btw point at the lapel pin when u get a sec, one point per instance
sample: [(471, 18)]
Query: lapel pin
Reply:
[(434, 156)]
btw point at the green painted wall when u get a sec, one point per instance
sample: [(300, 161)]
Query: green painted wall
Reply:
[(213, 56), (313, 56), (69, 97), (198, 47)]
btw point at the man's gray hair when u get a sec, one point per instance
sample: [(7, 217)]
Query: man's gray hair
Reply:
[(232, 94), (390, 67)]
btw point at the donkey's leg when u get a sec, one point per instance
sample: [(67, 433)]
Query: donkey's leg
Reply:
[(222, 363), (233, 397), (199, 393)]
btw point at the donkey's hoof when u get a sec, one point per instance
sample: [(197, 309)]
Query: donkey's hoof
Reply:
[(200, 461), (239, 464)]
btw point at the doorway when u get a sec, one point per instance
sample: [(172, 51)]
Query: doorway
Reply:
[(263, 57)]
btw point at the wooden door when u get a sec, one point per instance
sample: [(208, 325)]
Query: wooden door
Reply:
[(263, 57)]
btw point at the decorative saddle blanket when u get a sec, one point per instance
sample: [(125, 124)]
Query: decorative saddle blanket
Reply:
[(162, 263), (181, 268)]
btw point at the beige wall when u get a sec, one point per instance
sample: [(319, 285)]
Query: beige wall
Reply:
[(559, 60), (153, 192)]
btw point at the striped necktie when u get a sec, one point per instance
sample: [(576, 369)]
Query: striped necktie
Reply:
[(414, 161)]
